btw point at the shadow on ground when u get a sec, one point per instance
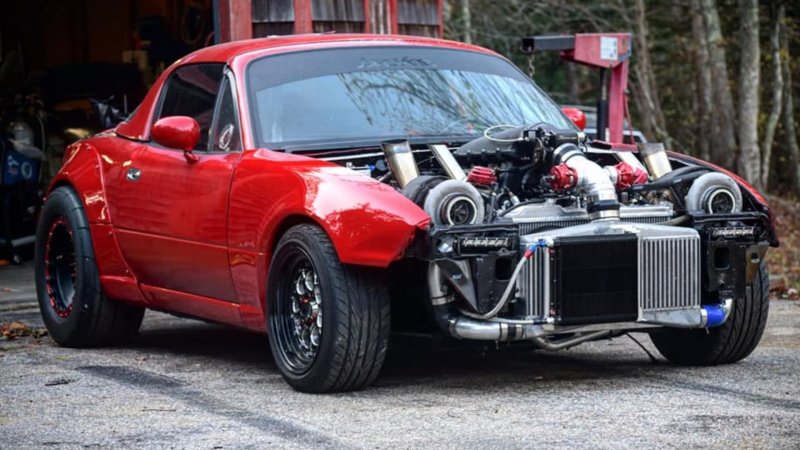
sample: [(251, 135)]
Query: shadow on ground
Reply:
[(413, 360)]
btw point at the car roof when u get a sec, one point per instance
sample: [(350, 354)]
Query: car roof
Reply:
[(225, 53)]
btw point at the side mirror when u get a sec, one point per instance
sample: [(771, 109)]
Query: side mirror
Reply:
[(575, 115), (178, 132)]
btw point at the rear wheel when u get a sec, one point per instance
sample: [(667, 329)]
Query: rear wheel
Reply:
[(731, 342), (73, 307), (328, 323)]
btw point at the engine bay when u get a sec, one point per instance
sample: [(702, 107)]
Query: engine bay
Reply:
[(543, 177), (533, 227)]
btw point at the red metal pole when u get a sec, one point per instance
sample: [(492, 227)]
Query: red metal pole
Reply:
[(441, 19), (235, 20), (303, 22), (394, 27), (241, 18), (224, 14), (616, 102)]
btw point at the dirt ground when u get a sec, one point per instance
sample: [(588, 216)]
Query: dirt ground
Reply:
[(784, 261)]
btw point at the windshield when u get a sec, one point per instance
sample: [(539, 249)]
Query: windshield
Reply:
[(370, 94)]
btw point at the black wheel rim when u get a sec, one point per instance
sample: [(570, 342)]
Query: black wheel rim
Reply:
[(60, 268), (297, 317)]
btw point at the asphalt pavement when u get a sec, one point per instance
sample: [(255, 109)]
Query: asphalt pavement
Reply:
[(189, 384)]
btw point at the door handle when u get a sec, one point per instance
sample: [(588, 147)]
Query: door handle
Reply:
[(134, 174)]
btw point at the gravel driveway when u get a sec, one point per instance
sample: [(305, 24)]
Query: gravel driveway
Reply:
[(188, 384)]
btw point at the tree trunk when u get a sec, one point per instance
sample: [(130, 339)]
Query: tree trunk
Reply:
[(572, 84), (723, 148), (789, 128), (650, 106), (776, 18), (702, 82), (466, 16), (749, 80)]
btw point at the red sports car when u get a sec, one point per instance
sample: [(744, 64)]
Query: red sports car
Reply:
[(327, 189)]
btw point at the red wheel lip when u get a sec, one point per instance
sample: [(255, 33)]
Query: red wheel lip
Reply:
[(62, 312)]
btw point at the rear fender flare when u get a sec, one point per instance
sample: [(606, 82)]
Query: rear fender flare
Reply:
[(82, 172)]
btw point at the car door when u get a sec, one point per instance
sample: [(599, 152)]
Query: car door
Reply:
[(171, 213)]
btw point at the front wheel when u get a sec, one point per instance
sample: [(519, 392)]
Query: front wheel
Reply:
[(731, 342), (328, 323)]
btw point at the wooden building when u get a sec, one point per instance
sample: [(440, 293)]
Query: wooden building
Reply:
[(244, 19)]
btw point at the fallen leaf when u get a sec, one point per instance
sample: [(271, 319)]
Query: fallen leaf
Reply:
[(15, 330)]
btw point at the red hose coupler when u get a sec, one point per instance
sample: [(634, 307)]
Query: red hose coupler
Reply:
[(563, 177), (625, 176), (482, 176)]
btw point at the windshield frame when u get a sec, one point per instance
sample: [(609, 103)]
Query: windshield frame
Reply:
[(366, 141)]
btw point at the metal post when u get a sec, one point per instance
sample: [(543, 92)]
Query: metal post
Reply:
[(394, 27), (303, 22), (233, 20), (616, 96), (602, 106)]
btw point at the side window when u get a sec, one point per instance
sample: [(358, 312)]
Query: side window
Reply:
[(226, 136), (192, 91)]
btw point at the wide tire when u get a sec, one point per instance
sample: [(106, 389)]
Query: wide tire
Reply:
[(729, 343), (73, 306), (306, 281)]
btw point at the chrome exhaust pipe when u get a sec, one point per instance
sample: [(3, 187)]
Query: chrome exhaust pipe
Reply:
[(477, 330), (447, 161), (465, 328), (401, 161), (655, 158)]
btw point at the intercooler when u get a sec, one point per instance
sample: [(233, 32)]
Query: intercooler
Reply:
[(605, 273), (669, 272)]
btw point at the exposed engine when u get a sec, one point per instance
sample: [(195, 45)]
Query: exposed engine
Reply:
[(540, 177), (535, 233)]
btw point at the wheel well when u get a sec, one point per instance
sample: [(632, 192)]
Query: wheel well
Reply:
[(284, 226), (61, 183)]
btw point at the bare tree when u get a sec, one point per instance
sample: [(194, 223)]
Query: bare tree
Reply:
[(466, 16), (789, 129), (644, 85), (777, 13), (677, 46), (749, 80), (703, 105), (723, 150)]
